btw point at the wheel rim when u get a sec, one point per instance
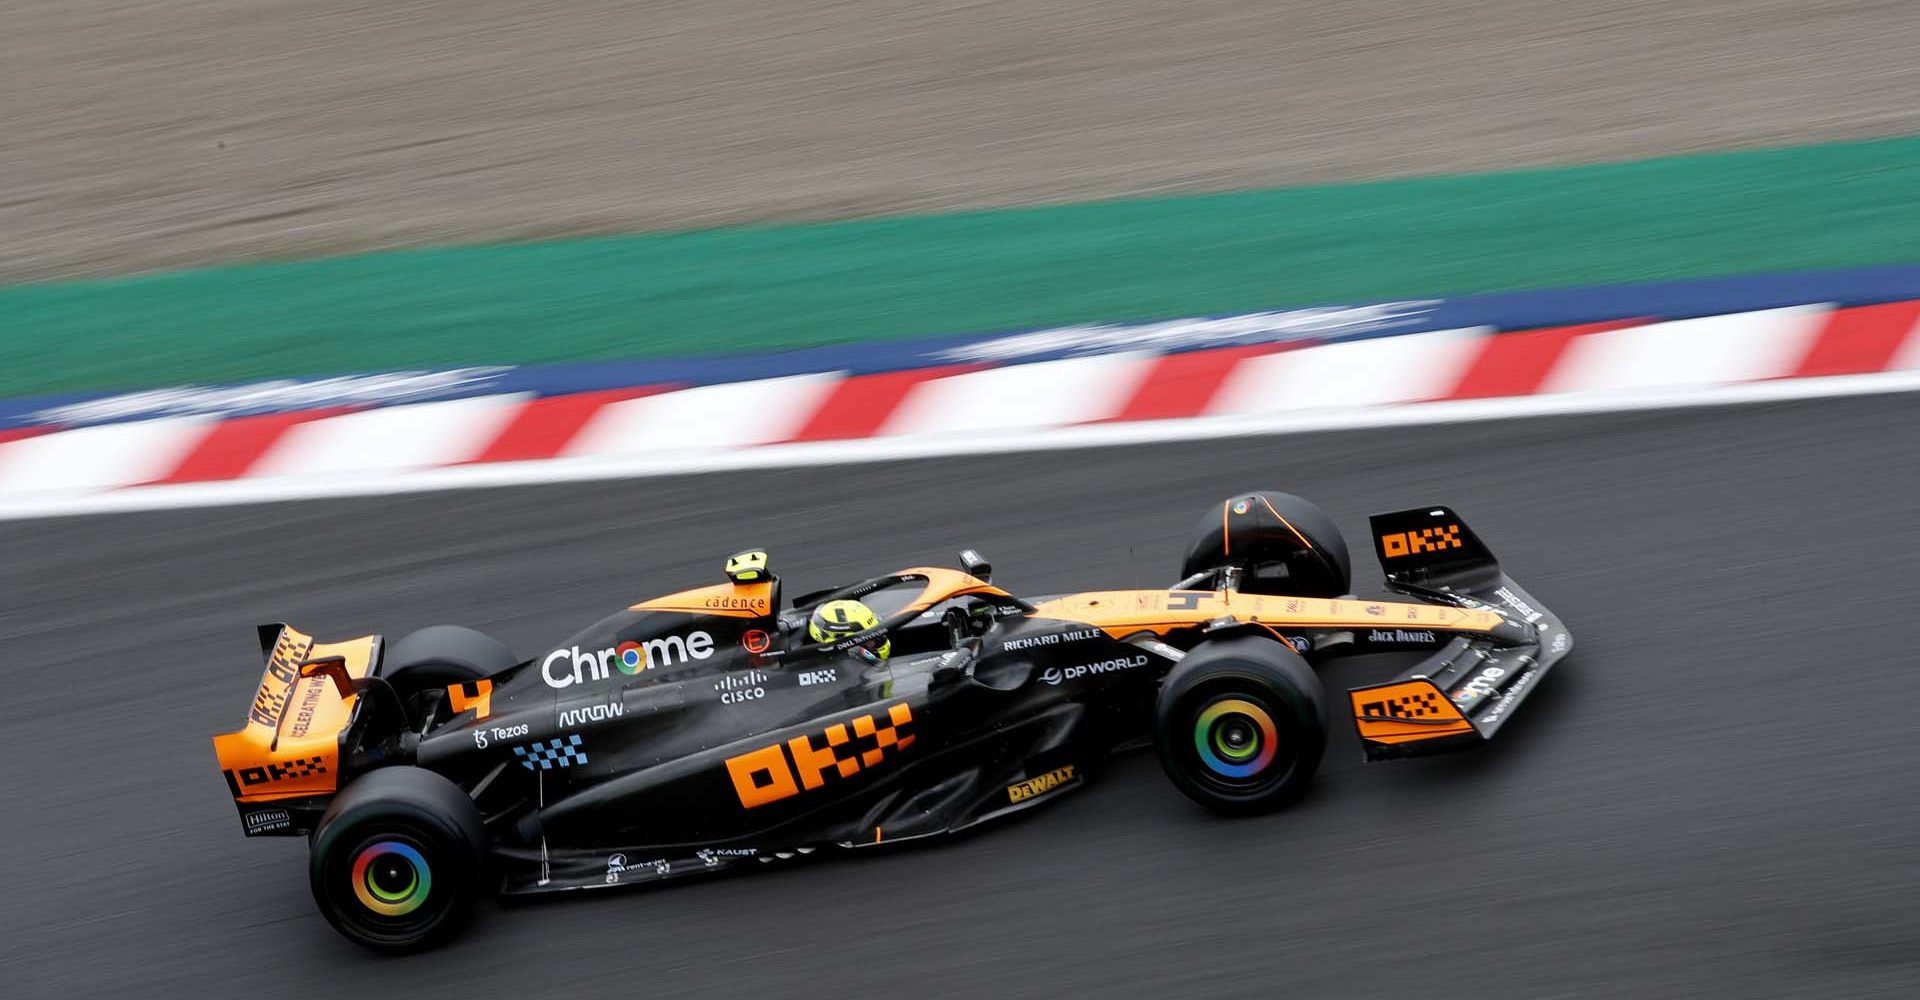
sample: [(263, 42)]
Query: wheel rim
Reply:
[(391, 878), (1237, 739)]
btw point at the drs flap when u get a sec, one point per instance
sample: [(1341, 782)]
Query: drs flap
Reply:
[(1428, 542)]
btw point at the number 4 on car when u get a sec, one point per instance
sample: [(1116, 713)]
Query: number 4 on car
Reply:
[(728, 726)]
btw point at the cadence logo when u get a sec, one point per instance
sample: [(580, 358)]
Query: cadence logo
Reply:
[(628, 658)]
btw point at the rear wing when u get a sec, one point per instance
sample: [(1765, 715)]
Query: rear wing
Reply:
[(1468, 689), (284, 762)]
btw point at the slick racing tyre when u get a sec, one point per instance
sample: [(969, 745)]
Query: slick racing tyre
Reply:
[(423, 663), (1241, 725), (1282, 544), (396, 860)]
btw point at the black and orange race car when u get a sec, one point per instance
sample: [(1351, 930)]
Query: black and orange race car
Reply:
[(704, 730)]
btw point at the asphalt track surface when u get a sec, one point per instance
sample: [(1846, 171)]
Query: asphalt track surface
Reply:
[(1712, 796), (148, 134)]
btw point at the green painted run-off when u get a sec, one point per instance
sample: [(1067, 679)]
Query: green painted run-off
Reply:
[(775, 287)]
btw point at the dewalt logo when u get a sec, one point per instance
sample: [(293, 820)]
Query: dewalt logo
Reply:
[(1034, 787)]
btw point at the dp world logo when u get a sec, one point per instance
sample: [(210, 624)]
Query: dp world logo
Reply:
[(1051, 675)]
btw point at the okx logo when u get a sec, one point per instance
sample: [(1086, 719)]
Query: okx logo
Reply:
[(783, 770), (567, 667)]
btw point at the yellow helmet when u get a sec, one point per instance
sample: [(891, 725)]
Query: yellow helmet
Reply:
[(836, 620)]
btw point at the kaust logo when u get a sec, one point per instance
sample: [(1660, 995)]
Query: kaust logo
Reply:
[(567, 667)]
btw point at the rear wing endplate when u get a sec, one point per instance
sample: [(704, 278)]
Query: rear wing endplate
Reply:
[(288, 750)]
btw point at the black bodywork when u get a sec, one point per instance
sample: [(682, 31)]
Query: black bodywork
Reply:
[(737, 757), (708, 733)]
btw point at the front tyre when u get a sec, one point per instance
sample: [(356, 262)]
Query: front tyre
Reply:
[(1241, 725), (396, 860)]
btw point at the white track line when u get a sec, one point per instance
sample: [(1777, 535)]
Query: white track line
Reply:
[(886, 449)]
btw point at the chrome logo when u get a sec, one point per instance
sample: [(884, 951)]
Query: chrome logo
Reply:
[(630, 658), (1236, 738), (391, 878)]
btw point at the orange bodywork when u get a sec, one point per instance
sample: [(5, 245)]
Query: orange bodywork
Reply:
[(1406, 712), (945, 584), (290, 746), (727, 600), (755, 600), (1121, 613)]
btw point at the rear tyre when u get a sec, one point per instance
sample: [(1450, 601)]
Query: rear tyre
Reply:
[(1241, 725), (421, 664), (396, 860)]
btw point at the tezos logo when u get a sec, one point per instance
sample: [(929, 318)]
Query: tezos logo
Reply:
[(628, 657), (485, 734)]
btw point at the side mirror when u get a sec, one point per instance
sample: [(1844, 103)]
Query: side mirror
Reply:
[(976, 564)]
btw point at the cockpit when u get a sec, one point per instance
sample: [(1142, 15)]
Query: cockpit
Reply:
[(740, 622)]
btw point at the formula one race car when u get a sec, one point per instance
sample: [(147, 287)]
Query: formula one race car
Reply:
[(705, 730)]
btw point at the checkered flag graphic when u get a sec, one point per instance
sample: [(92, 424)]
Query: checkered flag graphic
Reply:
[(556, 752)]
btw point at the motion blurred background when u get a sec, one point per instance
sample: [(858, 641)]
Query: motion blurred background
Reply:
[(1704, 802)]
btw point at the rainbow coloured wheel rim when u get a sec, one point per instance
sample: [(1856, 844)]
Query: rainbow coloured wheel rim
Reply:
[(391, 878), (1237, 739)]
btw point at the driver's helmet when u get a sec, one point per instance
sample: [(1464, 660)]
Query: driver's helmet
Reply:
[(836, 620)]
